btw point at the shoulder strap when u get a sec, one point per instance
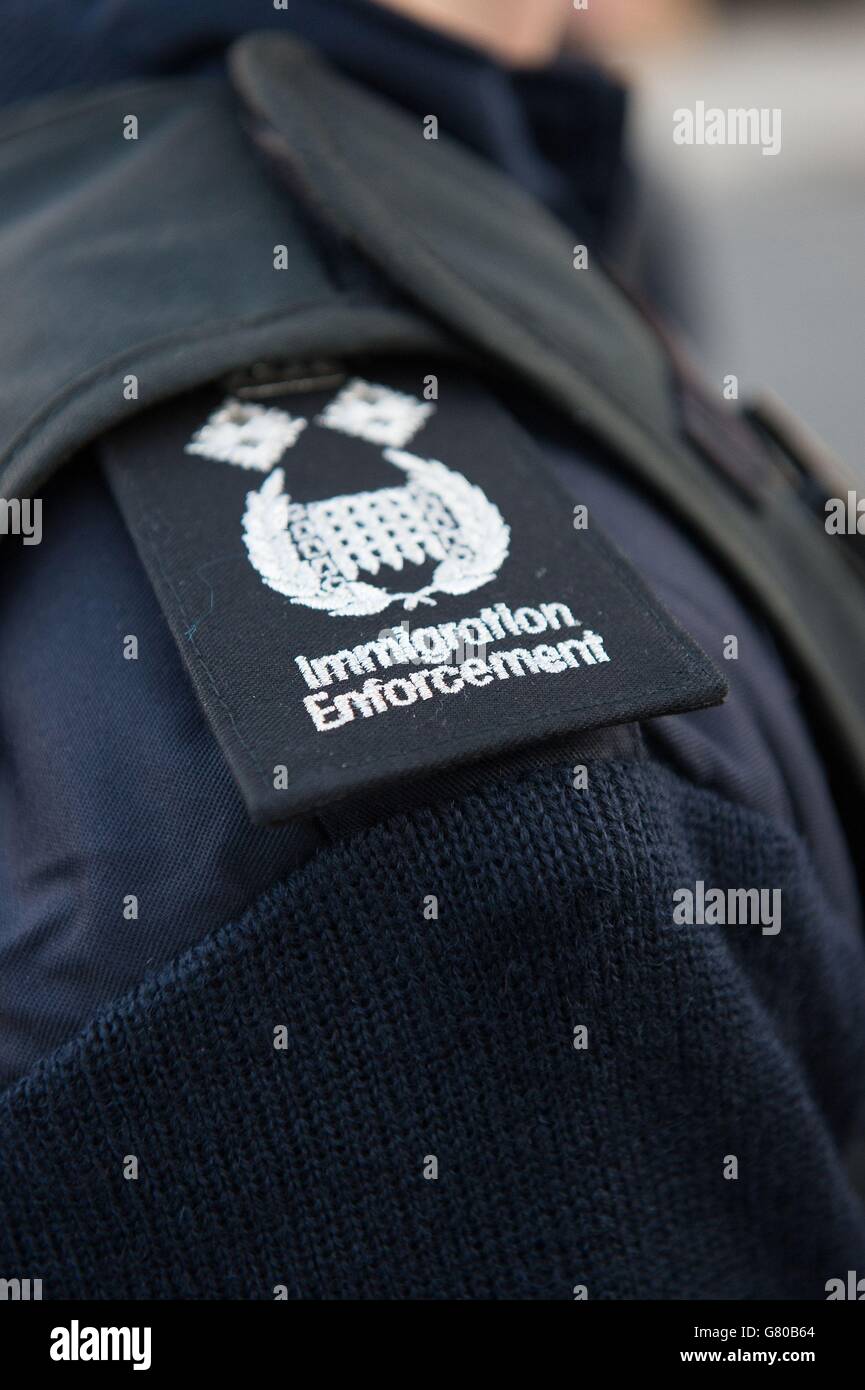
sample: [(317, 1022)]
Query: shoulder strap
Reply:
[(487, 260)]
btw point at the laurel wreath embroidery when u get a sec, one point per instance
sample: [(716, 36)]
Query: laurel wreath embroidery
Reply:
[(473, 552)]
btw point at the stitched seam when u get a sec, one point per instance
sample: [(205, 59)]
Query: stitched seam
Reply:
[(106, 369), (95, 101), (581, 707)]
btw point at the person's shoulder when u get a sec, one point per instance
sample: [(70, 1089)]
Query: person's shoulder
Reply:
[(93, 119), (138, 236)]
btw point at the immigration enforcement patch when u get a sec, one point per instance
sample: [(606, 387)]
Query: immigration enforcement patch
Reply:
[(371, 576)]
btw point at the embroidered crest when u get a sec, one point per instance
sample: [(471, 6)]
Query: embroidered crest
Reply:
[(318, 553), (315, 553), (249, 436)]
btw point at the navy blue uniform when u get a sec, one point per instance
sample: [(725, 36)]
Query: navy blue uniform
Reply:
[(554, 1170)]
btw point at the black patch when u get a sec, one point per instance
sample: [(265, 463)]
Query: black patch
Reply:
[(576, 640)]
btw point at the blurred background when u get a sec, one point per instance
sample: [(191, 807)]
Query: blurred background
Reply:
[(765, 255)]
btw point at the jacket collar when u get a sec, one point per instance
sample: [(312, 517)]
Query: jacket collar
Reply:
[(557, 130), (457, 237), (135, 270)]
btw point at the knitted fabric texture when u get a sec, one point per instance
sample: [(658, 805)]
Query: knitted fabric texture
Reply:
[(453, 1038)]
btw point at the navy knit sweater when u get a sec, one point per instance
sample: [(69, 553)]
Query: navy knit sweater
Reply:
[(301, 1168)]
